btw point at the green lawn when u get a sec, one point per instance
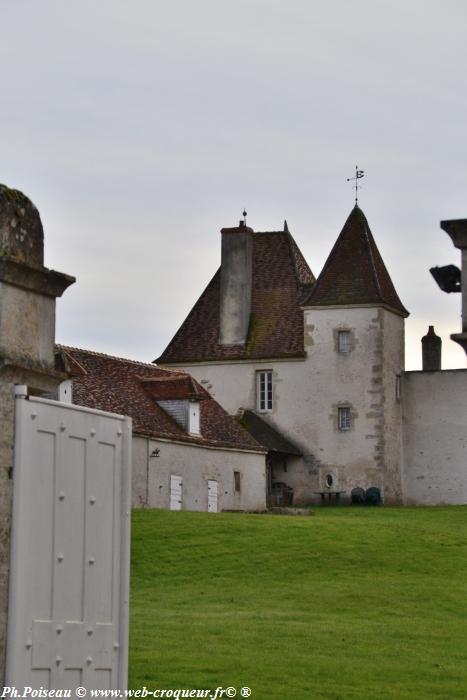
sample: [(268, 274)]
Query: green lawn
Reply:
[(350, 603)]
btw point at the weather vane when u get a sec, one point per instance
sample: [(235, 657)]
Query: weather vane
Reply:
[(358, 175)]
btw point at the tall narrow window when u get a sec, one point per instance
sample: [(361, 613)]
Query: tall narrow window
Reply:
[(344, 419), (344, 341), (264, 390), (398, 387), (237, 481)]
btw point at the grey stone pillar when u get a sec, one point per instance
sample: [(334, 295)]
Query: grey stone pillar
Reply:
[(27, 336), (457, 230)]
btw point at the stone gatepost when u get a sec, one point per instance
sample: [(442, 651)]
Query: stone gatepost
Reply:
[(27, 336)]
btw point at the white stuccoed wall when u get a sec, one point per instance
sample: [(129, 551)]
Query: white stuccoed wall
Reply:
[(196, 465), (307, 394), (435, 437)]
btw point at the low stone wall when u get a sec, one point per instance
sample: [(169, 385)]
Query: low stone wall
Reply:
[(196, 465), (434, 425)]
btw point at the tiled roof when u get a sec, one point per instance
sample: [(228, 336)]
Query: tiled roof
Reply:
[(268, 436), (126, 387), (173, 387), (281, 280), (354, 272)]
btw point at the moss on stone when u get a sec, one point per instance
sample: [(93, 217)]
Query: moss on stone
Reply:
[(14, 196), (262, 327)]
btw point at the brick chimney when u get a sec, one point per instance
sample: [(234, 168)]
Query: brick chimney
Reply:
[(236, 284), (431, 351)]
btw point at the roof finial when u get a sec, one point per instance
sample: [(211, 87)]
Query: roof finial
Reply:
[(244, 216), (358, 174), (286, 228)]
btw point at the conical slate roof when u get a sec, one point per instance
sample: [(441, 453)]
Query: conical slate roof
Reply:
[(354, 273)]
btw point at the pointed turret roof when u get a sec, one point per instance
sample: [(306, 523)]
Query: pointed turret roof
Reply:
[(354, 273)]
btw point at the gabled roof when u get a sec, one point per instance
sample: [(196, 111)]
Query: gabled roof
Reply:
[(268, 436), (178, 387), (126, 387), (281, 281), (354, 273)]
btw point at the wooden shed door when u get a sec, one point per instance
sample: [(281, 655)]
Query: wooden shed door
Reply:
[(175, 492), (212, 496), (69, 580)]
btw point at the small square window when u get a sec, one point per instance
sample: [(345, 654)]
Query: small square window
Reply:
[(344, 343), (264, 390), (344, 419), (237, 481)]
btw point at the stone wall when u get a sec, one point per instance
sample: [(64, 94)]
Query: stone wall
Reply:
[(392, 353), (308, 393), (435, 437), (27, 323), (196, 465)]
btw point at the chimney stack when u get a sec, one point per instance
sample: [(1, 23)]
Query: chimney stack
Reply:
[(236, 284), (431, 351)]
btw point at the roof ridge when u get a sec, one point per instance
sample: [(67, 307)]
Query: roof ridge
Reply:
[(265, 233), (95, 353), (188, 317), (294, 252), (372, 259), (176, 375), (67, 359), (327, 262)]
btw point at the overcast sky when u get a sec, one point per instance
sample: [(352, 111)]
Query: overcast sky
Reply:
[(140, 129)]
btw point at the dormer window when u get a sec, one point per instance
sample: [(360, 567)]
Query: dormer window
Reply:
[(186, 413), (193, 418), (65, 391), (180, 396), (178, 410)]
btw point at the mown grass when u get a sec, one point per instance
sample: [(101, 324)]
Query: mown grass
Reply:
[(350, 603)]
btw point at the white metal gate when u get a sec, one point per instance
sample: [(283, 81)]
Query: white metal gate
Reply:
[(212, 496), (69, 581), (175, 492)]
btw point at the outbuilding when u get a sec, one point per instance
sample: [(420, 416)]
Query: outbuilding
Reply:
[(188, 453)]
